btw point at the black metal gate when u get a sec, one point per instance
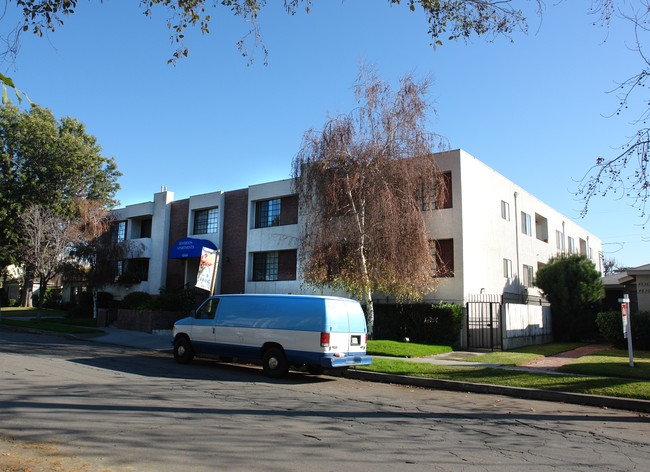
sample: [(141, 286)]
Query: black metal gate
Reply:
[(484, 322)]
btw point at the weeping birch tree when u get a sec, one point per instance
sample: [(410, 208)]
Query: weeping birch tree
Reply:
[(362, 181)]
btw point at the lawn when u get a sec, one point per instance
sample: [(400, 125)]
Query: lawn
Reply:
[(398, 349), (12, 312), (595, 385), (524, 354), (51, 320), (612, 363)]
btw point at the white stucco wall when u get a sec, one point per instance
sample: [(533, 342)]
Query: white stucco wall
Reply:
[(488, 238)]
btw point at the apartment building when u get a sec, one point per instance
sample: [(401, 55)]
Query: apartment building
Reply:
[(490, 237)]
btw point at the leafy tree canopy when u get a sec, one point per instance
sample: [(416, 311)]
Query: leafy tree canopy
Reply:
[(49, 163), (573, 286)]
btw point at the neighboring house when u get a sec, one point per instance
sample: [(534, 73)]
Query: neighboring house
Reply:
[(490, 237), (634, 282)]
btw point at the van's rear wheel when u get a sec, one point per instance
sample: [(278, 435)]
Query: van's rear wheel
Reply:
[(183, 352), (274, 362)]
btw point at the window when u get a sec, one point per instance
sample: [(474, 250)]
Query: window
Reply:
[(133, 271), (145, 228), (206, 221), (572, 245), (541, 228), (507, 268), (274, 265), (527, 276), (583, 247), (526, 227), (119, 231), (505, 210), (267, 213), (428, 201), (208, 309), (559, 238), (442, 251)]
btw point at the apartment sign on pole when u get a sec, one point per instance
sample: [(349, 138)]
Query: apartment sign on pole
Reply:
[(627, 325), (207, 269)]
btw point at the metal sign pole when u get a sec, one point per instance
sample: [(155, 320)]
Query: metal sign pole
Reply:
[(214, 273), (627, 325)]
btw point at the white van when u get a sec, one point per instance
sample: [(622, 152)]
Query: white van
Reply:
[(280, 330)]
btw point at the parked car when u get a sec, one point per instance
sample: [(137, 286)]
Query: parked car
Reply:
[(280, 330)]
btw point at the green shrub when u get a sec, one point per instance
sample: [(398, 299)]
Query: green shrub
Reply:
[(573, 287), (181, 301), (52, 298), (420, 323), (610, 326), (136, 301)]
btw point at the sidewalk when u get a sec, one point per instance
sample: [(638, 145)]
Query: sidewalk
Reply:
[(563, 358), (128, 338)]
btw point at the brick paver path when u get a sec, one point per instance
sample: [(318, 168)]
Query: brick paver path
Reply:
[(558, 360)]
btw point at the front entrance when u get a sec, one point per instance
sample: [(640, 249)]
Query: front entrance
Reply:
[(484, 322)]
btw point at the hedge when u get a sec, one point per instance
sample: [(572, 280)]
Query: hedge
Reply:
[(610, 326), (420, 323)]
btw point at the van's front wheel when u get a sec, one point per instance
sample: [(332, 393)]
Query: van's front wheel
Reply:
[(183, 352), (275, 363)]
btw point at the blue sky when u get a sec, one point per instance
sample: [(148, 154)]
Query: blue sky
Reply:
[(533, 110)]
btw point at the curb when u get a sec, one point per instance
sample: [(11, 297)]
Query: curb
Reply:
[(517, 392)]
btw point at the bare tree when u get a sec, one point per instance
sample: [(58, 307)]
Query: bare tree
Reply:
[(362, 182), (626, 173), (96, 254), (49, 238)]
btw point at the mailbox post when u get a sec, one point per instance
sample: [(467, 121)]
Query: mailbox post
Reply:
[(627, 325)]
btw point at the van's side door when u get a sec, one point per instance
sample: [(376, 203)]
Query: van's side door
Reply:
[(203, 329)]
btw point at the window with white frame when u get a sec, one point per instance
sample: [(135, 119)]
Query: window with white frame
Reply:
[(507, 268), (505, 210), (572, 245), (559, 240), (527, 276), (206, 221), (526, 226)]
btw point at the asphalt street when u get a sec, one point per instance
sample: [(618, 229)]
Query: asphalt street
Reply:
[(120, 408)]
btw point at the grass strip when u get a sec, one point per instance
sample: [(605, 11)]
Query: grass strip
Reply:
[(399, 349), (611, 363), (29, 311), (593, 385)]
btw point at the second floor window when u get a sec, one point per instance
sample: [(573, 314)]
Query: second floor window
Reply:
[(267, 213), (119, 231), (206, 221)]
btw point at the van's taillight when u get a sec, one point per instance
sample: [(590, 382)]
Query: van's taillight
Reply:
[(324, 339), (365, 339)]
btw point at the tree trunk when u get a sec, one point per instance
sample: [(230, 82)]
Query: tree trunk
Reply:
[(370, 313), (26, 291), (41, 298), (94, 303)]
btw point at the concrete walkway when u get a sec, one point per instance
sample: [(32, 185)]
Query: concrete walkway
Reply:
[(563, 358)]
